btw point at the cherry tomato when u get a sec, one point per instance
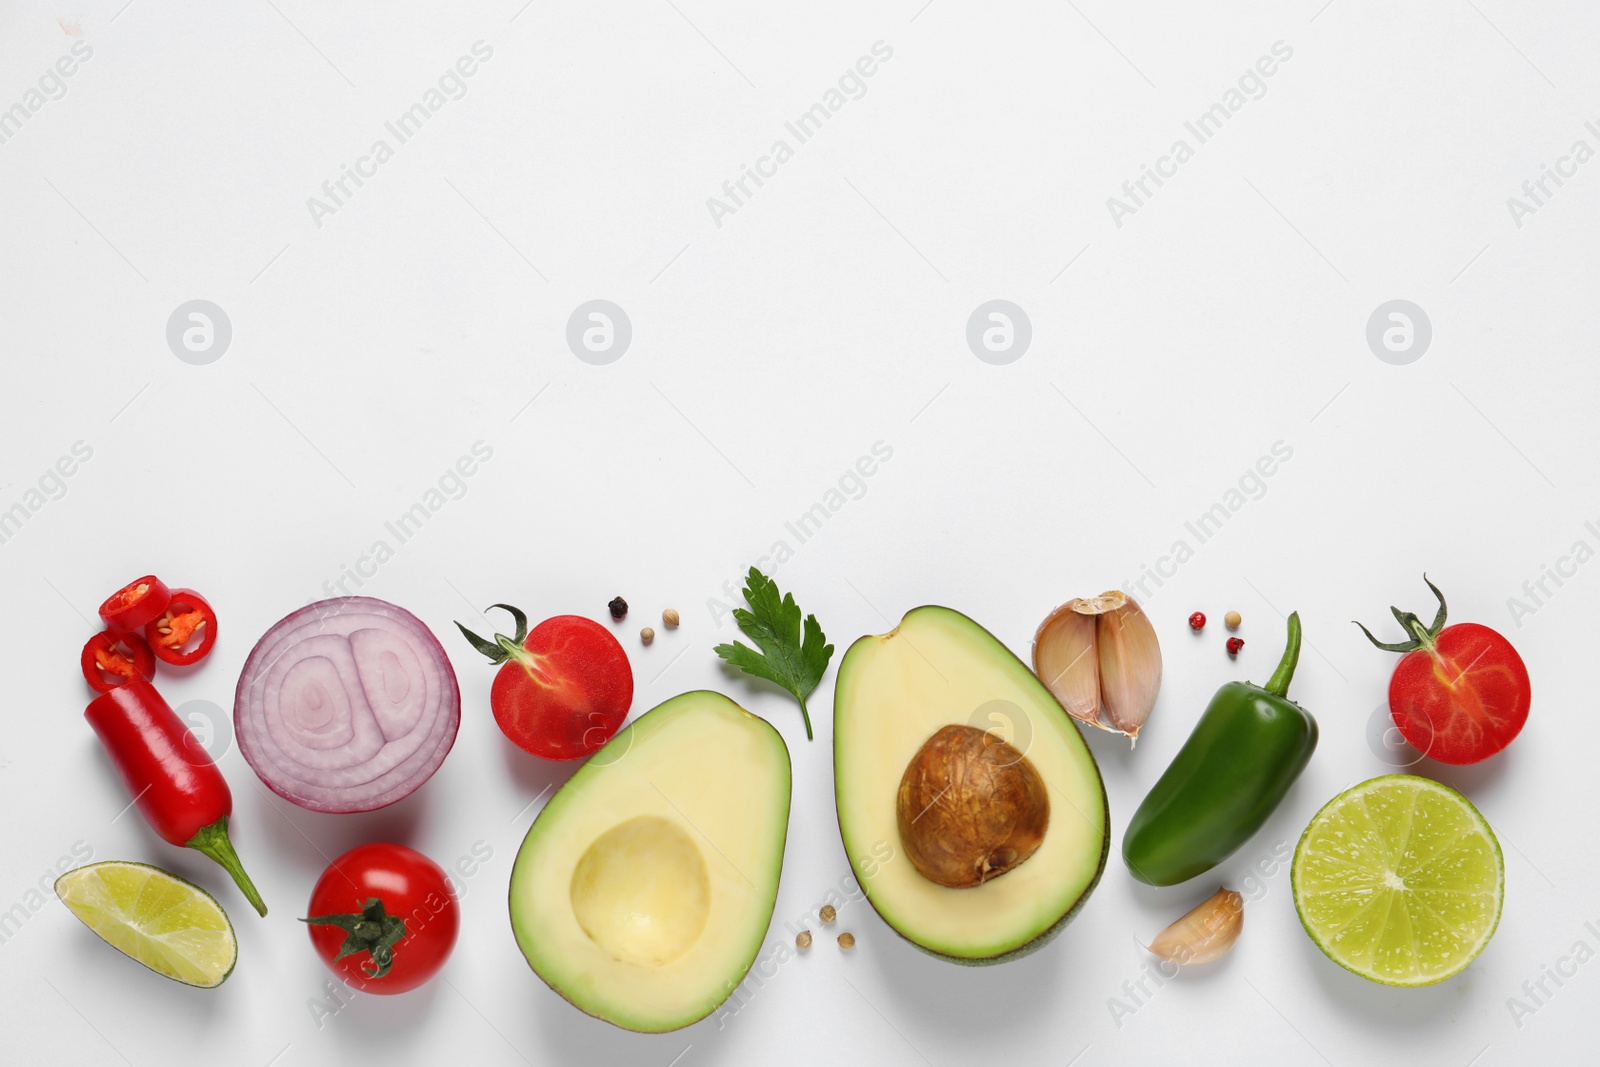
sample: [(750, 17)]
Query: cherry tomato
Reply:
[(563, 689), (392, 910), (1461, 692)]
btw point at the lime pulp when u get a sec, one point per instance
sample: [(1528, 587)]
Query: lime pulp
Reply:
[(173, 927), (1400, 880)]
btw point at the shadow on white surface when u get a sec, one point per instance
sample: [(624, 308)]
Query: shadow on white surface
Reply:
[(1112, 753), (310, 840), (943, 1003), (534, 777), (78, 952), (1478, 782), (563, 1034), (384, 1029), (1371, 1006)]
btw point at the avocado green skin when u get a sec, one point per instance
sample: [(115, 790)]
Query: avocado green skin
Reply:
[(1244, 754), (585, 774), (1042, 939)]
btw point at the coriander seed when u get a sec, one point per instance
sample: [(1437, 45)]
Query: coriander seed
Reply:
[(669, 618), (802, 940), (647, 635), (847, 940), (827, 914)]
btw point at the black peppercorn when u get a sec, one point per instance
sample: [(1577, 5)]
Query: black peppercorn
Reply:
[(619, 609)]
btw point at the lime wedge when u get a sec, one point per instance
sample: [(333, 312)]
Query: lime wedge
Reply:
[(1400, 880), (173, 927)]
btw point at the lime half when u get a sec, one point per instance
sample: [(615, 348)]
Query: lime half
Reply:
[(171, 926), (1400, 880)]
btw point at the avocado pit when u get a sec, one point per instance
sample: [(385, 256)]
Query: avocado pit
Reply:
[(970, 807)]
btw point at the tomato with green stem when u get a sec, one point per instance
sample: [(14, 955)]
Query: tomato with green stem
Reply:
[(1461, 693), (563, 689), (384, 918)]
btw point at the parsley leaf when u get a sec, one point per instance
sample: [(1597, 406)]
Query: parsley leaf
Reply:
[(774, 625)]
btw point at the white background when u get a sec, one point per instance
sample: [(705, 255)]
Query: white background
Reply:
[(768, 355)]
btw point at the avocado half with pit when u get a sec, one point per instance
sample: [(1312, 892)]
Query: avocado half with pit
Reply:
[(971, 808), (645, 887)]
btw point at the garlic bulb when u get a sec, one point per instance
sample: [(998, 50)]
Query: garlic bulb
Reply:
[(1100, 657)]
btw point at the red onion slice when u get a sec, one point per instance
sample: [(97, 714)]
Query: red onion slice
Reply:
[(346, 705)]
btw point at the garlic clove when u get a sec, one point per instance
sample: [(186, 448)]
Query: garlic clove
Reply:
[(1130, 665), (1205, 933), (1065, 659), (1100, 657)]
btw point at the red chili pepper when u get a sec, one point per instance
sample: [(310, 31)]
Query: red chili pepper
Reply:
[(110, 660), (140, 601), (177, 787), (185, 615)]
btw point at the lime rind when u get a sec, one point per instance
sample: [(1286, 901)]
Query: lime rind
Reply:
[(171, 926), (1400, 880)]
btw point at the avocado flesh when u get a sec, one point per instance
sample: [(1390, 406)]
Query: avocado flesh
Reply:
[(645, 887), (894, 691)]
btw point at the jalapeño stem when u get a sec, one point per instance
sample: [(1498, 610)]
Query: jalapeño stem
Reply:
[(1278, 684)]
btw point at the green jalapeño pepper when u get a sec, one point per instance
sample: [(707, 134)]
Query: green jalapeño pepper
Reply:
[(1244, 754)]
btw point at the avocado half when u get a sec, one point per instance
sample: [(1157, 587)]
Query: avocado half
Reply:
[(894, 692), (645, 887)]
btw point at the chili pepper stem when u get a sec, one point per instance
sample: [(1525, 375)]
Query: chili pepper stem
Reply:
[(213, 841), (1278, 684)]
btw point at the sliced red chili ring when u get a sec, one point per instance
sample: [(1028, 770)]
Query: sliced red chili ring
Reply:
[(110, 660), (134, 605), (187, 623)]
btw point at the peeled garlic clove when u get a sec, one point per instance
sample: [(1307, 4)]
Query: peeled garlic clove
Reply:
[(1065, 659), (1204, 934), (1130, 664)]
